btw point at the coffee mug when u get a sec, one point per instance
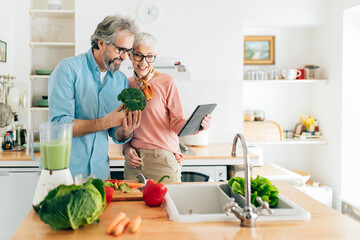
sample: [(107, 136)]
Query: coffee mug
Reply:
[(290, 73), (302, 75)]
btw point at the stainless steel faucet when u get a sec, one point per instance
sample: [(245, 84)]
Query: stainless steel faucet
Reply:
[(249, 213)]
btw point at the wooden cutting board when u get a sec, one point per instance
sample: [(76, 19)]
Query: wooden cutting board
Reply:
[(134, 195)]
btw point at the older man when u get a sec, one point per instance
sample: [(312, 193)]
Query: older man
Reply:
[(83, 90)]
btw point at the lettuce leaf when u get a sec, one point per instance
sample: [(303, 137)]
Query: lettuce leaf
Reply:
[(260, 187), (69, 207)]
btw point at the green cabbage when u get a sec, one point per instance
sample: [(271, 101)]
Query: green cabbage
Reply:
[(260, 187), (72, 206), (133, 99)]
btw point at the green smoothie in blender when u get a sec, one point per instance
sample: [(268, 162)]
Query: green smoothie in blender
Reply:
[(55, 154)]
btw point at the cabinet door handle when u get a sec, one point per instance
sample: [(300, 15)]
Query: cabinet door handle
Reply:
[(23, 173)]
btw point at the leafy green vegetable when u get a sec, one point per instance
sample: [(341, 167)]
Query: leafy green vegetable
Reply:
[(72, 206), (133, 99), (260, 187), (109, 184), (124, 187)]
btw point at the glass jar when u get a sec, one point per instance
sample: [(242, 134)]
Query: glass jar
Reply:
[(249, 115), (253, 75), (259, 115), (311, 72)]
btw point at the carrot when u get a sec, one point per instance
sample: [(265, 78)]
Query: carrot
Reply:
[(114, 222), (134, 225), (121, 226), (134, 185)]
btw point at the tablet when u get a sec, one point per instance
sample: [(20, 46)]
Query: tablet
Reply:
[(193, 124)]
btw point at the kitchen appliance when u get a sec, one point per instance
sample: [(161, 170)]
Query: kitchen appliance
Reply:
[(55, 148), (203, 173), (170, 66), (200, 139)]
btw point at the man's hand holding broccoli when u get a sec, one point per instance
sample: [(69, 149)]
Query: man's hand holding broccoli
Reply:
[(128, 115)]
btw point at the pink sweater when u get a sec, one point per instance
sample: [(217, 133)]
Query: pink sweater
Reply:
[(162, 118)]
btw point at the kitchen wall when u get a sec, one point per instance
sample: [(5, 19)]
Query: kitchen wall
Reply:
[(203, 40), (350, 101), (330, 164), (6, 34), (208, 40)]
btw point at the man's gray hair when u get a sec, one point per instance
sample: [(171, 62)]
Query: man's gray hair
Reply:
[(108, 28), (145, 39)]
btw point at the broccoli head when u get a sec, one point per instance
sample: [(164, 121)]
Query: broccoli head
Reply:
[(133, 99)]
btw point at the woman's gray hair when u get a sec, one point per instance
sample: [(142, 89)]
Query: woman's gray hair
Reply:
[(145, 39), (108, 28)]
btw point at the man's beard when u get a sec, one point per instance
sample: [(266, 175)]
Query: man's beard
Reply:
[(109, 63)]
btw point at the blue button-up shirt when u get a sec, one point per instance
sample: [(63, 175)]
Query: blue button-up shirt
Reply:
[(76, 92)]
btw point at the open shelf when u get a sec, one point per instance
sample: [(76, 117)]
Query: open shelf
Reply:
[(39, 109), (290, 141), (52, 13), (39, 76), (52, 44), (286, 81)]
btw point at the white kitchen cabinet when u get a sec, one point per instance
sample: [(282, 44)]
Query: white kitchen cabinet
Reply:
[(17, 191), (47, 51)]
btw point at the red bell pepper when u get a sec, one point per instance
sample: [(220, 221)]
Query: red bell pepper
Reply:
[(154, 193), (109, 191)]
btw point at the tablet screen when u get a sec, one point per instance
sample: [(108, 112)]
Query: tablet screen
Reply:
[(193, 124)]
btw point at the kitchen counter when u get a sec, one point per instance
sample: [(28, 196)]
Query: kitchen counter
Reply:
[(326, 223), (213, 154)]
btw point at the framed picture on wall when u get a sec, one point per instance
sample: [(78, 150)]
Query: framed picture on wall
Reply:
[(3, 51), (259, 50)]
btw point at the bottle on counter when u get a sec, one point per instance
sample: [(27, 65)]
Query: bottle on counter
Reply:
[(316, 125), (23, 135), (15, 128), (7, 143)]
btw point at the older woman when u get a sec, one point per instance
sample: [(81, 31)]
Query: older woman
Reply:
[(154, 147)]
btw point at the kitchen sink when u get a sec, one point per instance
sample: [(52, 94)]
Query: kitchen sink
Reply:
[(205, 202)]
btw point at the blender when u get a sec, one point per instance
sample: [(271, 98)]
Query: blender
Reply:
[(55, 149)]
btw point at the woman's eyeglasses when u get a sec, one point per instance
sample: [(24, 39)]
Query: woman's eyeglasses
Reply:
[(139, 57)]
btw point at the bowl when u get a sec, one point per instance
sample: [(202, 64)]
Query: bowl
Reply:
[(43, 72), (42, 102), (13, 98), (47, 33), (36, 146)]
